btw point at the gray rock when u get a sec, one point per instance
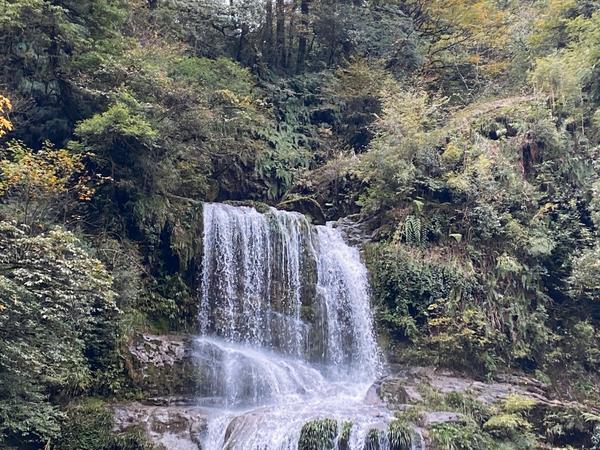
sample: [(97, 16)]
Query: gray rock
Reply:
[(162, 365), (168, 427), (391, 392), (402, 387), (429, 419)]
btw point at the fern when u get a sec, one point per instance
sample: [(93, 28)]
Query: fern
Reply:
[(412, 230)]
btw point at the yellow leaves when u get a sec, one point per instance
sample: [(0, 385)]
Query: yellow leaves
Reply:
[(475, 32), (544, 210), (46, 173), (550, 20), (5, 124), (452, 154), (233, 99)]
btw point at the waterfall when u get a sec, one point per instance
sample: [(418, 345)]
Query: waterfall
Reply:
[(286, 331)]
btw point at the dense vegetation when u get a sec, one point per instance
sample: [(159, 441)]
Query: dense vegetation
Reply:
[(463, 135)]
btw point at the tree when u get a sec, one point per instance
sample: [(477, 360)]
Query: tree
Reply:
[(47, 49), (302, 35), (42, 186), (56, 302), (5, 124), (280, 35)]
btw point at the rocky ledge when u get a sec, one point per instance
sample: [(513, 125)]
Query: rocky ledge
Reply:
[(405, 387), (169, 427), (508, 409)]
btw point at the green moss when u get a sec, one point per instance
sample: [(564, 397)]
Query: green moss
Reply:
[(515, 403), (88, 425), (466, 404), (130, 440), (506, 425), (452, 154), (318, 435)]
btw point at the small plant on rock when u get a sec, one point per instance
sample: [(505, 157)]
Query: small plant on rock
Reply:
[(318, 435), (399, 435)]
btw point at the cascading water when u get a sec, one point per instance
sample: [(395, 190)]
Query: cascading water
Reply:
[(286, 330)]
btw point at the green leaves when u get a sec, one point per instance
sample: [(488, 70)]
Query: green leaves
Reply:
[(55, 302), (118, 122)]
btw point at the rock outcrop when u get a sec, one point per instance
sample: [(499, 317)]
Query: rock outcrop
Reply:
[(169, 427), (402, 387), (163, 365), (431, 398)]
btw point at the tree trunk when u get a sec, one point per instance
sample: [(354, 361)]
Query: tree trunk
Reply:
[(280, 12), (302, 35), (267, 44), (291, 35), (240, 48)]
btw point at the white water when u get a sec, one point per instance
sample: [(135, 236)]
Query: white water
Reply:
[(286, 331)]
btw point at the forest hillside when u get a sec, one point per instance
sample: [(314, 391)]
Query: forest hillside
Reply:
[(461, 138)]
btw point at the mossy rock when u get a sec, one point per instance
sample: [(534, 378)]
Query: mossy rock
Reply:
[(163, 365), (89, 425), (261, 207)]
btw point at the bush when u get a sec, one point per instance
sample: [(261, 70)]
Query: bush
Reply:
[(89, 426), (318, 435), (399, 435), (460, 437)]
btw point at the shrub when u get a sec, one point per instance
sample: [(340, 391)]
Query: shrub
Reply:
[(399, 435), (318, 435)]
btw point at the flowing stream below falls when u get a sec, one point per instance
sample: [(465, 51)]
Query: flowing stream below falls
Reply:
[(286, 332)]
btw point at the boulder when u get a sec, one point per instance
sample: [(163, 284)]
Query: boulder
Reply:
[(394, 392), (168, 427)]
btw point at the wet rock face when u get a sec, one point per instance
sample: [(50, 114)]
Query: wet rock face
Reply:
[(402, 388), (163, 365), (168, 427), (390, 391)]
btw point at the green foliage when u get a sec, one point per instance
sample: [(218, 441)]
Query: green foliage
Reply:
[(518, 404), (89, 425), (56, 311), (343, 438), (120, 121), (585, 275), (460, 437), (399, 435), (511, 420), (374, 438), (505, 425), (49, 46), (482, 200), (468, 406), (405, 283), (500, 204), (318, 435)]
